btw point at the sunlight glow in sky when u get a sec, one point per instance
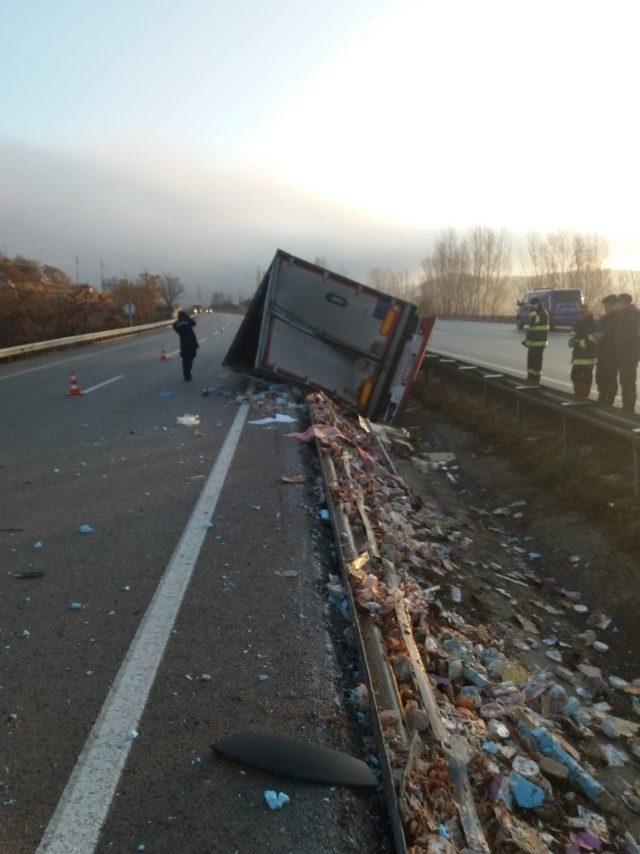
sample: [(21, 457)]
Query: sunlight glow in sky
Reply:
[(275, 117)]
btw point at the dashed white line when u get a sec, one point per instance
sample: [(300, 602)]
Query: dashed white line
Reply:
[(106, 382), (83, 807)]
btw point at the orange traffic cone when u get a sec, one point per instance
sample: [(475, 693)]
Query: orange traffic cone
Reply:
[(75, 390), (163, 355)]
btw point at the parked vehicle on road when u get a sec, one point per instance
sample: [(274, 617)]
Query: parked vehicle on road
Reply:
[(562, 304)]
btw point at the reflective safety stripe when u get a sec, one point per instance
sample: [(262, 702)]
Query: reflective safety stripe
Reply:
[(535, 343), (584, 362), (540, 328)]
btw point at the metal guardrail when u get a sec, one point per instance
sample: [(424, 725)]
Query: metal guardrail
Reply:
[(72, 340), (596, 415)]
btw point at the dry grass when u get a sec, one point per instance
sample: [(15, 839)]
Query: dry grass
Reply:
[(594, 477)]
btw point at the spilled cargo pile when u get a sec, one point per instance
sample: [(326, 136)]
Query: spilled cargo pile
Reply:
[(482, 752)]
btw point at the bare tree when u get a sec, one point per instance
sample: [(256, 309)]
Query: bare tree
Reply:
[(399, 283), (589, 273), (490, 262), (447, 275), (169, 288), (565, 260)]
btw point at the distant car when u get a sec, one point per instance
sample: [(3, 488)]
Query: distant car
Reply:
[(562, 304)]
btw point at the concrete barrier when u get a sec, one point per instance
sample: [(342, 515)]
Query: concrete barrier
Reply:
[(72, 340)]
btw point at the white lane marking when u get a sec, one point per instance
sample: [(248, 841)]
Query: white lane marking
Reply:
[(144, 339), (106, 382), (505, 368), (83, 807)]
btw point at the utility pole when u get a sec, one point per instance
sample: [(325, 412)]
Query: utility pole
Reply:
[(77, 270)]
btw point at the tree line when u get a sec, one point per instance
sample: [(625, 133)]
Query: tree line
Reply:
[(472, 272), (39, 302)]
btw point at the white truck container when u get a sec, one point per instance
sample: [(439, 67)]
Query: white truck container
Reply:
[(310, 326)]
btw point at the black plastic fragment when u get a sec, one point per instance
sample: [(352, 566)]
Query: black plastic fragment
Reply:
[(30, 573), (299, 759)]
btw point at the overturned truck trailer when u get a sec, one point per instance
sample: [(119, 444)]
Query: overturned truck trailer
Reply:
[(309, 326)]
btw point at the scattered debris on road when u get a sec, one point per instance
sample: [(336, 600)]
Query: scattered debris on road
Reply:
[(275, 800), (483, 751), (188, 420)]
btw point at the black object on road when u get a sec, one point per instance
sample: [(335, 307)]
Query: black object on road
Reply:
[(299, 759), (29, 573)]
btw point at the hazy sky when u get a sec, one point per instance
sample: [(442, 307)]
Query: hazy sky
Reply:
[(197, 137)]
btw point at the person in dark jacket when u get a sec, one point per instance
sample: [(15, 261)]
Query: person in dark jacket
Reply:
[(584, 352), (536, 340), (627, 343), (188, 341), (607, 367)]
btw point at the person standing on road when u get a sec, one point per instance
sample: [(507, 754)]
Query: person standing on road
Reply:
[(584, 352), (607, 367), (188, 342), (536, 340), (627, 345)]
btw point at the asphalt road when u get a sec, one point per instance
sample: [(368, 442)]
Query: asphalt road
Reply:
[(498, 346), (77, 684)]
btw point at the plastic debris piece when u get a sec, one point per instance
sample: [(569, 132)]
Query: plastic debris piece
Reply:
[(599, 620), (599, 646), (456, 594), (324, 514), (164, 394), (554, 655), (75, 606), (527, 795), (294, 478), (534, 555), (275, 801), (279, 418), (85, 529), (580, 609), (525, 767), (205, 677), (298, 759), (490, 747), (188, 420), (263, 677), (26, 633), (29, 573), (38, 544), (587, 784), (132, 734), (207, 525)]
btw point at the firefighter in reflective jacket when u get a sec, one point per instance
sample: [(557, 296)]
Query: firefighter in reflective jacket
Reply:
[(584, 352), (536, 340)]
